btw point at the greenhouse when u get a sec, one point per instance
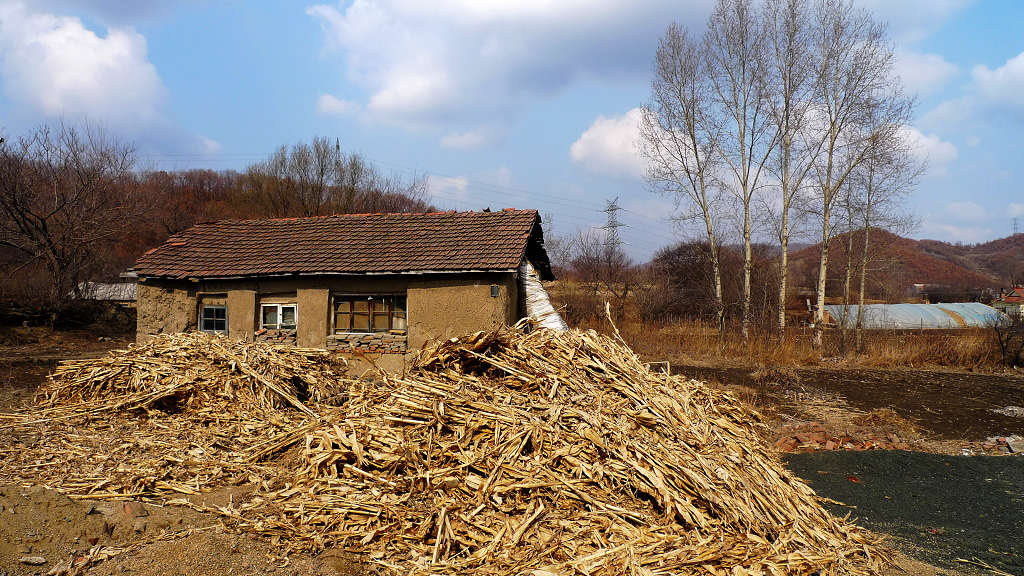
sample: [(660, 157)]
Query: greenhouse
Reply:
[(916, 316)]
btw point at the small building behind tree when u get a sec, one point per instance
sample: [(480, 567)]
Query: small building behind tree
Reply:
[(380, 284), (1011, 302)]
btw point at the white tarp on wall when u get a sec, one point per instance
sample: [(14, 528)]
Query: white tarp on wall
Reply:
[(538, 304)]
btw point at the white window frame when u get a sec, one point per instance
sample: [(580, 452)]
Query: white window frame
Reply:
[(202, 317), (279, 316)]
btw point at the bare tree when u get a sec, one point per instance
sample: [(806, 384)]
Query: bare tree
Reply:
[(789, 83), (558, 247), (1008, 331), (318, 178), (604, 267), (679, 142), (65, 192), (888, 174), (856, 101), (734, 52)]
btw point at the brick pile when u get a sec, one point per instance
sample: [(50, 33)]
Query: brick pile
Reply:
[(1003, 445), (813, 436)]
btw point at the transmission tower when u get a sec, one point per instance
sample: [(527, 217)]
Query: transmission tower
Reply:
[(612, 240), (1015, 226)]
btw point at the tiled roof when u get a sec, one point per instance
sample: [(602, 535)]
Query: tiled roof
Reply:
[(349, 244), (1014, 296)]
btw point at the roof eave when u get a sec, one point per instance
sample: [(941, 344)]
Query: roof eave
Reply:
[(192, 277)]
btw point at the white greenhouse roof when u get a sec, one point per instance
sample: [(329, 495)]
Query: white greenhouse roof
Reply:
[(917, 316)]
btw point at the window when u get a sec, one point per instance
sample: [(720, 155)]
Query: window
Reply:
[(214, 319), (379, 313), (278, 316)]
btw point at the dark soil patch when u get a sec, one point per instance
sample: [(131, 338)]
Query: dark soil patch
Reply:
[(937, 508), (949, 405)]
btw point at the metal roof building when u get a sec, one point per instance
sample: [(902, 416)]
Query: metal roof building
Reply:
[(916, 316)]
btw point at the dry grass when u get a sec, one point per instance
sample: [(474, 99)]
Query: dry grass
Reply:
[(694, 342)]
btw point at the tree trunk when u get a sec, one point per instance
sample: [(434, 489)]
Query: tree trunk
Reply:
[(860, 297), (716, 273), (783, 271), (784, 238), (819, 309), (747, 265), (843, 331)]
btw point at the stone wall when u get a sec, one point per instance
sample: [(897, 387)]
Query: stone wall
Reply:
[(276, 336), (379, 343)]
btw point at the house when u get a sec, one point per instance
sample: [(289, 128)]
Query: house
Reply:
[(1011, 302), (380, 284)]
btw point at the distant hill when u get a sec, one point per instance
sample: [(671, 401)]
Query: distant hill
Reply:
[(898, 263), (1002, 259)]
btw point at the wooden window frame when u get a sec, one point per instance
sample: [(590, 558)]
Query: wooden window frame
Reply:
[(202, 318), (373, 300), (279, 307)]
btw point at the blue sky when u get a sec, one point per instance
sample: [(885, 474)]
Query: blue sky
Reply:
[(517, 103)]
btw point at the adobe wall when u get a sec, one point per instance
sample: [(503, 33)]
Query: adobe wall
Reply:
[(164, 308), (439, 306), (445, 307)]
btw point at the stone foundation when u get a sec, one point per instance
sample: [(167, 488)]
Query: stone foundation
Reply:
[(276, 336), (379, 343)]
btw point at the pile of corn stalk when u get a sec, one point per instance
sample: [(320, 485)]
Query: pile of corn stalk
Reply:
[(502, 452)]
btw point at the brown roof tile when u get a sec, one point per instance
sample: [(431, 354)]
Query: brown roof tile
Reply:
[(349, 244)]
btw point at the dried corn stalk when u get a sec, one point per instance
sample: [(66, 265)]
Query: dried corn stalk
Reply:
[(499, 453)]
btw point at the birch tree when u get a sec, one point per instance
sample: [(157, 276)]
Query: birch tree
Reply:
[(856, 100), (734, 49), (889, 173), (679, 141), (789, 83)]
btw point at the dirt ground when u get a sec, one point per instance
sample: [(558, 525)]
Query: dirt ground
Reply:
[(44, 532)]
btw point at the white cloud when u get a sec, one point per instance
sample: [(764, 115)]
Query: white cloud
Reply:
[(967, 211), (468, 140), (609, 145), (1016, 210), (1003, 87), (954, 233), (463, 63), (991, 94), (329, 105), (923, 73), (55, 66), (449, 188), (937, 152)]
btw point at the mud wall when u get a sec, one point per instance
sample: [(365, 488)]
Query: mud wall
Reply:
[(438, 306), (446, 307), (164, 307)]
